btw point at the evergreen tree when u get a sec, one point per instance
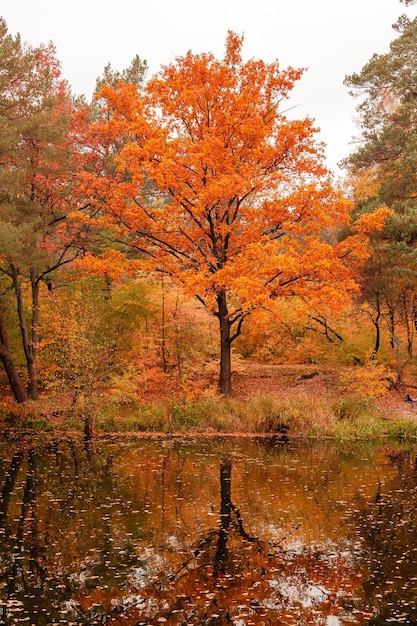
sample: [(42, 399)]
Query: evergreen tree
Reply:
[(38, 159), (387, 159)]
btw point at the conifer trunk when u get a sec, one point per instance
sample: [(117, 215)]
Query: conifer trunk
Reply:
[(9, 366), (33, 390), (30, 345)]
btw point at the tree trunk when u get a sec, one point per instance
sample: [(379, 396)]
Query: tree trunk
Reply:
[(8, 363), (88, 415), (9, 483), (391, 325), (377, 336), (408, 312), (397, 345), (225, 380), (377, 326), (88, 426), (33, 390), (29, 348), (163, 336)]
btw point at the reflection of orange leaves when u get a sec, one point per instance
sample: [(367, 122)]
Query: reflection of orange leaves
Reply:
[(250, 583), (96, 596)]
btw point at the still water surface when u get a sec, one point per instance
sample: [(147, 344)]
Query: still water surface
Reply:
[(207, 531)]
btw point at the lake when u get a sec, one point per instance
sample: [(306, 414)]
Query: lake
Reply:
[(207, 531)]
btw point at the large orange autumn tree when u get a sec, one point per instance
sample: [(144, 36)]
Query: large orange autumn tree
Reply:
[(217, 188)]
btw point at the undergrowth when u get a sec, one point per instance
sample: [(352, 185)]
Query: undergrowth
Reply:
[(301, 415)]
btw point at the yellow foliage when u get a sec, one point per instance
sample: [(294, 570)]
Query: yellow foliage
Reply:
[(365, 184), (371, 379)]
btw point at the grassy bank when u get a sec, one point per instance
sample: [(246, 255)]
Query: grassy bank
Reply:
[(303, 415)]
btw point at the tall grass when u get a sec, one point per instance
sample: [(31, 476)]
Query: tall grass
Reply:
[(298, 415), (302, 415), (402, 429), (357, 418)]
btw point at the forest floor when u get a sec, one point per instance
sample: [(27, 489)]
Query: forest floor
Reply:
[(256, 378)]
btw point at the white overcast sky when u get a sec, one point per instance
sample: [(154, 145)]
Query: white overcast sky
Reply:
[(332, 38)]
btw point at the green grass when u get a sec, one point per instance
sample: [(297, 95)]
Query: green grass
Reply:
[(301, 415), (359, 428), (138, 417), (208, 414), (402, 429)]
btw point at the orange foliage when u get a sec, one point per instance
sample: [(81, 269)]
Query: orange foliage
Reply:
[(111, 263), (372, 222)]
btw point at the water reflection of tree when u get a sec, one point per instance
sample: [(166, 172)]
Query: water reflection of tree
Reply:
[(230, 575), (44, 490), (23, 570), (389, 527)]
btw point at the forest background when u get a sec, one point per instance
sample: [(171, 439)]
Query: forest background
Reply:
[(178, 240)]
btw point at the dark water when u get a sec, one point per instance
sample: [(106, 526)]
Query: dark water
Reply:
[(207, 531)]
